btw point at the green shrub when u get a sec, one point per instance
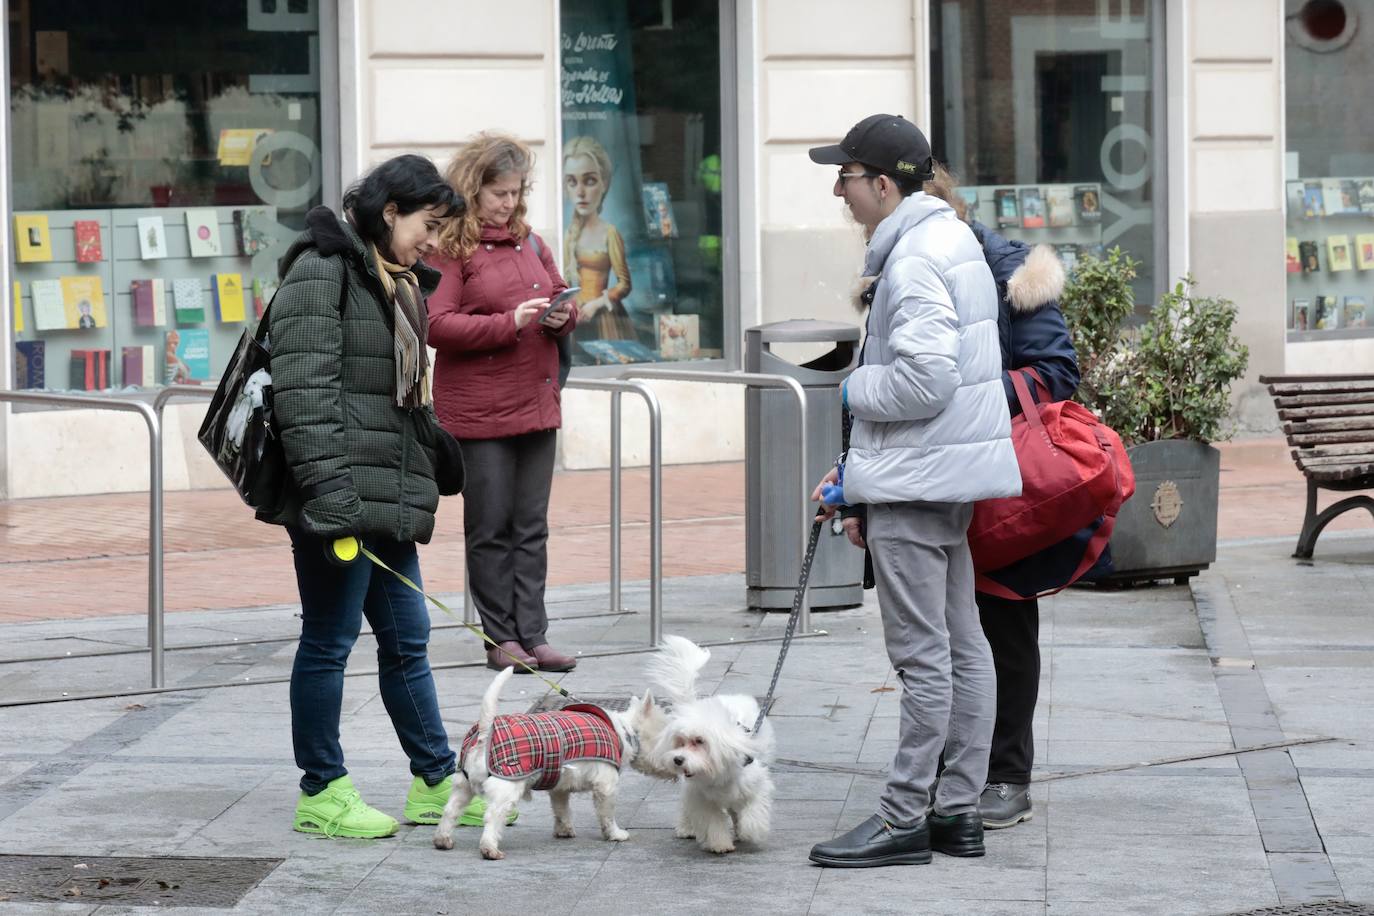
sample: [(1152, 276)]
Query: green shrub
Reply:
[(1168, 379)]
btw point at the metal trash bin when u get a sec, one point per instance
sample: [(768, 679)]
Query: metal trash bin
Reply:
[(772, 525)]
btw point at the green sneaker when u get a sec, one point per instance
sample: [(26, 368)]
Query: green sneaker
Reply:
[(425, 804), (340, 811)]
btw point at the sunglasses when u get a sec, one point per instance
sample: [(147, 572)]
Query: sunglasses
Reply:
[(845, 176)]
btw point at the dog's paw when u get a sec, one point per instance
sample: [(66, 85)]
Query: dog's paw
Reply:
[(719, 850), (443, 841), (618, 835), (564, 833), (684, 833), (492, 853)]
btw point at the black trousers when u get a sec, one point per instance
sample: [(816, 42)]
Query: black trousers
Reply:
[(1013, 631), (506, 527)]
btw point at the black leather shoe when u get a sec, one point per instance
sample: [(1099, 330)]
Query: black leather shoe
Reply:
[(957, 834), (875, 842)]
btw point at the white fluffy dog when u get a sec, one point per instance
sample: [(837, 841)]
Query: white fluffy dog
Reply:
[(577, 749), (727, 791)]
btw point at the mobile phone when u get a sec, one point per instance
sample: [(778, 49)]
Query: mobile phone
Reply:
[(558, 302)]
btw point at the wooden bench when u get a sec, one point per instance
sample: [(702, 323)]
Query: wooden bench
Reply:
[(1329, 421)]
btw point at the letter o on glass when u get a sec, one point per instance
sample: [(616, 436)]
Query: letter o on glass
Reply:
[(285, 198)]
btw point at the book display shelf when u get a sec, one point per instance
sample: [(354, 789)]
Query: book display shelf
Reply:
[(137, 298), (1330, 258), (1065, 216)]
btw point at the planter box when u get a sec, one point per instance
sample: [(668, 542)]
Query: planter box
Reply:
[(1168, 529)]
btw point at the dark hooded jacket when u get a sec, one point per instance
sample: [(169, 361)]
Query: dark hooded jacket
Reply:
[(359, 464), (1029, 323)]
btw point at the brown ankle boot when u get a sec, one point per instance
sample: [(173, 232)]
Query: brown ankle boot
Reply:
[(498, 659), (550, 660)]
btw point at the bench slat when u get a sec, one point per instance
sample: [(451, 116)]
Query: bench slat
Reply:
[(1359, 387), (1301, 441), (1321, 400), (1351, 472), (1290, 379), (1330, 451), (1321, 413), (1336, 425), (1332, 461)]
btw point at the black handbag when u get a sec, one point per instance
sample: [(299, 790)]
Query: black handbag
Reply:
[(238, 431)]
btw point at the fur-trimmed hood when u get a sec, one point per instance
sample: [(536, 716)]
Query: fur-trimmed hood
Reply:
[(1028, 278), (1037, 282)]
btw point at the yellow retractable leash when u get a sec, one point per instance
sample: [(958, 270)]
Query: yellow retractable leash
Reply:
[(345, 551)]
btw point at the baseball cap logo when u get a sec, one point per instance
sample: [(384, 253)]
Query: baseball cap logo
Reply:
[(907, 167)]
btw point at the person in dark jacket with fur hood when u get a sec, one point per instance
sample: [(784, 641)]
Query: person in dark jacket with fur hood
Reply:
[(1034, 336), (366, 458)]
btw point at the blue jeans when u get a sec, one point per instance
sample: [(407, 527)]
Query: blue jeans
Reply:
[(334, 600)]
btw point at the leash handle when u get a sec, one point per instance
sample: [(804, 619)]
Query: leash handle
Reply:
[(561, 691), (792, 618)]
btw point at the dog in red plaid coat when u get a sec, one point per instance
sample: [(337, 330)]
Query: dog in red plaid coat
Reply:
[(581, 748)]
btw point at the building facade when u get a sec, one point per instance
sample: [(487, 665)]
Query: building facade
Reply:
[(1198, 135)]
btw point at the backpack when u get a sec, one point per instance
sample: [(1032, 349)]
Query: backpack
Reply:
[(1075, 475)]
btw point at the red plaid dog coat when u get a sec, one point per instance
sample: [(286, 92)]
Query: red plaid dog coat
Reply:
[(524, 745)]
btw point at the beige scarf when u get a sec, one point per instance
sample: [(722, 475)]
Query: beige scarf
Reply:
[(412, 331)]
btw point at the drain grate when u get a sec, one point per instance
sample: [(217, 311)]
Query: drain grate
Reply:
[(1317, 908), (163, 881)]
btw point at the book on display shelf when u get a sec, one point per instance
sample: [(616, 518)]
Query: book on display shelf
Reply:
[(1350, 196), (1312, 200), (1008, 214), (137, 367), (1032, 209), (228, 293), (1327, 313), (90, 370), (1293, 257), (1088, 201), (83, 300), (49, 314), (1331, 197), (29, 364), (1338, 252), (32, 238), (186, 356), (202, 232), (618, 352), (1366, 195), (1355, 314), (679, 336), (189, 301), (1364, 251), (1059, 204), (152, 238), (1307, 252), (1302, 314), (150, 302), (1296, 202), (88, 248)]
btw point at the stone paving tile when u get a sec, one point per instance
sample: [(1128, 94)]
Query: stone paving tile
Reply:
[(1139, 803)]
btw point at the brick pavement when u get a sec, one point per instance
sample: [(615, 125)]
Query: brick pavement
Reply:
[(86, 556)]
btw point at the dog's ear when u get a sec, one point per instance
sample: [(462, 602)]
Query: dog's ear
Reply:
[(646, 705)]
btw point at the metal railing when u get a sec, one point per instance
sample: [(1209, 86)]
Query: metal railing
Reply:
[(616, 388), (152, 416), (758, 380)]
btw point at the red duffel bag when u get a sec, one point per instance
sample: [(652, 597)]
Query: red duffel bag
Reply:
[(1074, 470)]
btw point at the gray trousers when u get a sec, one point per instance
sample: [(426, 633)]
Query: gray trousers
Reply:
[(506, 532), (949, 689)]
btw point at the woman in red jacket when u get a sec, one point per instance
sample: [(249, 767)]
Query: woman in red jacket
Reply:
[(496, 390)]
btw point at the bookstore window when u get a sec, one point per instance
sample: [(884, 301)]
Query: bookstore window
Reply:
[(163, 155), (1329, 171), (1047, 114), (641, 179)]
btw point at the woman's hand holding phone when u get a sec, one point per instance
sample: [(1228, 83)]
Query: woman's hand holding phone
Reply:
[(558, 311), (528, 310)]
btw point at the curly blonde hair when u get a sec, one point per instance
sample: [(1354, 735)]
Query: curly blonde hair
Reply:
[(945, 186), (585, 146), (478, 162)]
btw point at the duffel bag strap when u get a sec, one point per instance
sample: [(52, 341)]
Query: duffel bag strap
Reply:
[(1092, 552)]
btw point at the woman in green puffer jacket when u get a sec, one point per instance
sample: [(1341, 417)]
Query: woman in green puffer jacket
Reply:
[(351, 387)]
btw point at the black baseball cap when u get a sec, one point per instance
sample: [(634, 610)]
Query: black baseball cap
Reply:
[(888, 143)]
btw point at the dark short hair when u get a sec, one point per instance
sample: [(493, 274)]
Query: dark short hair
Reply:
[(411, 182)]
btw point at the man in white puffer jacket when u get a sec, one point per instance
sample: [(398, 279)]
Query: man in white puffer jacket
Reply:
[(931, 435)]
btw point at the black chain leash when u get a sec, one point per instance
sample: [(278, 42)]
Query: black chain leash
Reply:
[(792, 619)]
